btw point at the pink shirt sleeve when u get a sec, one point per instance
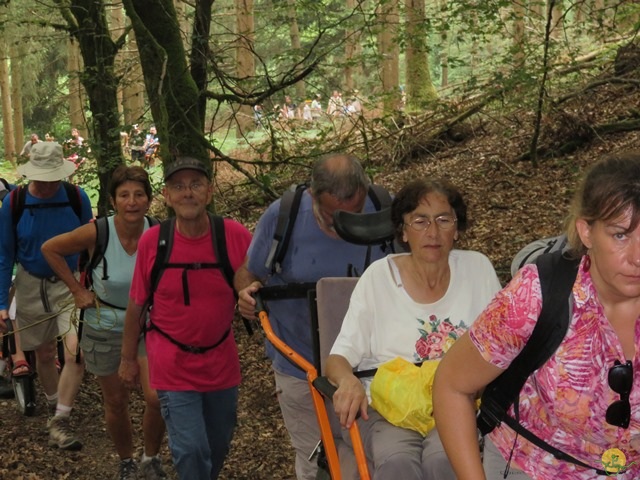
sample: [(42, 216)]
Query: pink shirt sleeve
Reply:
[(504, 327)]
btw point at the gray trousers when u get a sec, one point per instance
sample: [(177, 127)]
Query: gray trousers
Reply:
[(495, 464), (300, 420), (398, 453)]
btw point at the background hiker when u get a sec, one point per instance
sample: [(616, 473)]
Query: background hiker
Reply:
[(42, 209), (26, 149)]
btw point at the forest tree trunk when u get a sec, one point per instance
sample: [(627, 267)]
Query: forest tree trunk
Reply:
[(173, 94), (245, 60), (16, 96), (76, 115), (199, 50), (133, 83), (518, 35), (296, 45), (420, 89), (5, 93), (389, 52), (87, 21)]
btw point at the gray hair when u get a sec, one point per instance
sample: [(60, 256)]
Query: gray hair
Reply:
[(339, 175)]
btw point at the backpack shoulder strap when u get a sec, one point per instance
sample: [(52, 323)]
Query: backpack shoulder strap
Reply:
[(163, 252), (74, 197), (220, 247), (17, 198), (380, 197), (557, 275), (102, 240), (287, 213), (152, 220)]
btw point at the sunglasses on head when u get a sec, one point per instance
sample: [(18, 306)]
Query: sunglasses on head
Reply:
[(620, 381)]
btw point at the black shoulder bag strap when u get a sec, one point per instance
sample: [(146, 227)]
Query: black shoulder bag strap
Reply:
[(220, 248), (18, 202), (163, 252), (557, 276), (102, 241), (75, 200), (287, 214)]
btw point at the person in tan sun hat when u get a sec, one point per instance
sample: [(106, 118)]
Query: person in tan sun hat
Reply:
[(36, 212), (46, 163)]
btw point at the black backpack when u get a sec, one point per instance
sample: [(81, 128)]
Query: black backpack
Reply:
[(288, 212), (18, 198), (163, 254), (531, 251), (165, 244), (557, 275)]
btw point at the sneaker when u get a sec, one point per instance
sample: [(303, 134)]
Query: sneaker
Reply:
[(61, 435), (128, 470), (152, 470)]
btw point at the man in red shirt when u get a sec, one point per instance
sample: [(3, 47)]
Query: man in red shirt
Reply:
[(193, 357)]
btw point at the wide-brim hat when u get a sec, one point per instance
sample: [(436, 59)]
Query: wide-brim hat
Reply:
[(46, 163), (186, 163)]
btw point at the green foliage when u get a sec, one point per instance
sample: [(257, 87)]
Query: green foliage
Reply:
[(479, 50)]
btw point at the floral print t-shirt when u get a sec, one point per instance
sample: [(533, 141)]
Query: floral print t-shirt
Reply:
[(383, 322), (564, 402)]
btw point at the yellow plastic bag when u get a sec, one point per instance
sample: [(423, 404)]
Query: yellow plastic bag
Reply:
[(402, 393)]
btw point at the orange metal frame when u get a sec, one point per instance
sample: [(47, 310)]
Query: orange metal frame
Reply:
[(321, 411)]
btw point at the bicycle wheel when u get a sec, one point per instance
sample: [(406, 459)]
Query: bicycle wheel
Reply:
[(24, 388)]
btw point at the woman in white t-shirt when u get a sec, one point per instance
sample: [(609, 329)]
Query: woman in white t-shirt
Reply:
[(410, 305)]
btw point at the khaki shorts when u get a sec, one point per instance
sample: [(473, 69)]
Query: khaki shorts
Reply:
[(102, 349), (38, 305)]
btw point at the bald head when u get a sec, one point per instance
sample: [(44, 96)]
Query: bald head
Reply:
[(338, 175)]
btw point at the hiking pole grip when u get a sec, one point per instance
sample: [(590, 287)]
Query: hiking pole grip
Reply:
[(259, 302), (325, 387)]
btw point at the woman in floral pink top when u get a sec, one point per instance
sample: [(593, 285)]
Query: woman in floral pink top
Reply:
[(576, 402)]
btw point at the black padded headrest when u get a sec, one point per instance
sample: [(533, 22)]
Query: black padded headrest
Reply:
[(364, 228)]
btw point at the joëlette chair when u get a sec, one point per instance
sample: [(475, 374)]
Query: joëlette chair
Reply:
[(328, 303)]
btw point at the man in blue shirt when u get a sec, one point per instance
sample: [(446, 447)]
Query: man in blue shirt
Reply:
[(43, 303), (315, 251)]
